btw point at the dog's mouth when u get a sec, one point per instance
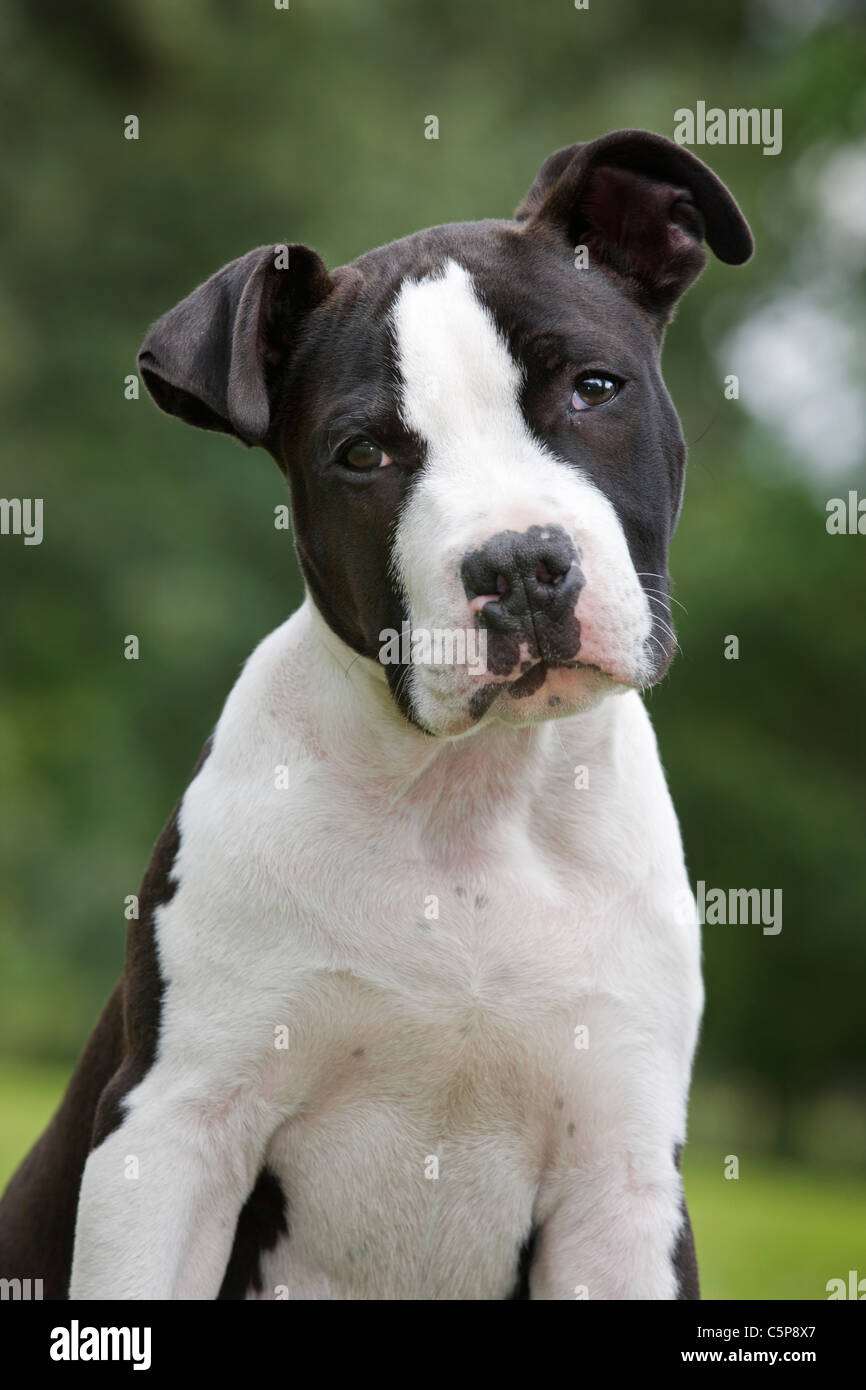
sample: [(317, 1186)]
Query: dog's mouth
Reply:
[(534, 678), (526, 684)]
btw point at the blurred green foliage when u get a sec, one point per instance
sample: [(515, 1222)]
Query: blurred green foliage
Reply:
[(308, 125)]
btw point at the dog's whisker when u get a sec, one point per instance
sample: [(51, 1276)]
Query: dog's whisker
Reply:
[(669, 598), (666, 627)]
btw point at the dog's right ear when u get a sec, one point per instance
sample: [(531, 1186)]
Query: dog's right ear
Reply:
[(642, 205), (215, 358)]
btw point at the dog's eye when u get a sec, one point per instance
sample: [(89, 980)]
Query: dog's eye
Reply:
[(594, 388), (365, 455)]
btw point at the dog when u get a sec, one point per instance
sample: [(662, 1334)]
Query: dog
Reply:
[(410, 1006)]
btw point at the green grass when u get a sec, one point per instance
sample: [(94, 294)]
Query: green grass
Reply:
[(778, 1231)]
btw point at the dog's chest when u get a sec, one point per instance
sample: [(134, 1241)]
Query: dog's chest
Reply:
[(431, 1058), (424, 1053)]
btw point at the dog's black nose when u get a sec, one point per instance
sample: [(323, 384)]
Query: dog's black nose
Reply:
[(523, 587)]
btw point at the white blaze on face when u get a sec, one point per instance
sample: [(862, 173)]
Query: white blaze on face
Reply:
[(486, 473)]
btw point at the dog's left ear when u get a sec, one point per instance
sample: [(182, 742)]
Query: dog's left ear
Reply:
[(214, 359), (642, 206)]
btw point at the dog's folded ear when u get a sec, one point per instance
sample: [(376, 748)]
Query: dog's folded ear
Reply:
[(642, 206), (216, 358)]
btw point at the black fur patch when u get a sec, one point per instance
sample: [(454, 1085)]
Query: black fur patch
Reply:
[(263, 1220), (525, 1256), (143, 985), (685, 1257)]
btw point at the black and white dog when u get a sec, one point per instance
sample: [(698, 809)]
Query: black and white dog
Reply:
[(410, 1007)]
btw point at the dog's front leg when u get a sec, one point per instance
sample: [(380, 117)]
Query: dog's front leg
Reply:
[(160, 1197), (617, 1230)]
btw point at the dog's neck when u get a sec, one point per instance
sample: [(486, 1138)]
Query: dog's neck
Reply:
[(489, 770)]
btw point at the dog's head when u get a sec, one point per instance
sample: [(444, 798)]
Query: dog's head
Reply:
[(486, 468)]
